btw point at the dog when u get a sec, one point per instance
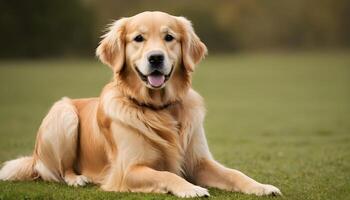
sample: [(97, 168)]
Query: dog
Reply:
[(144, 133)]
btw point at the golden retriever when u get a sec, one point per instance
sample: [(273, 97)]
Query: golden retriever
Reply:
[(144, 133)]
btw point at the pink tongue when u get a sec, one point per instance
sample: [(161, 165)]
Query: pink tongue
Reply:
[(156, 80)]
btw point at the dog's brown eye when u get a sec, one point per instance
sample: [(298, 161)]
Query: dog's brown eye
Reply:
[(168, 38), (139, 38)]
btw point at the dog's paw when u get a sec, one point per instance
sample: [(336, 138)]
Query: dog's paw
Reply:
[(191, 191), (263, 189), (77, 180)]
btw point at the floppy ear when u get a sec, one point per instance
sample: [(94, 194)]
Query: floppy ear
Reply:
[(193, 50), (111, 50)]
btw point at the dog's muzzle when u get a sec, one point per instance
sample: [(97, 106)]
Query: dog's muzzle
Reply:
[(156, 79), (158, 74), (156, 60)]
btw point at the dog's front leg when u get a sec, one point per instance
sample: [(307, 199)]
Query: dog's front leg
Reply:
[(213, 174), (141, 178), (206, 172)]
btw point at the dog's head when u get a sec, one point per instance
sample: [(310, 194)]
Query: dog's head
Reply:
[(152, 53)]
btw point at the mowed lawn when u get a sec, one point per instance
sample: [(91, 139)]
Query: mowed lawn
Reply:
[(281, 118)]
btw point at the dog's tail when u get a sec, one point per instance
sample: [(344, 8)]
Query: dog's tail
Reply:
[(18, 169)]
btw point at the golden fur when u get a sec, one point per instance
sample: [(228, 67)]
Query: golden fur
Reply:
[(135, 138)]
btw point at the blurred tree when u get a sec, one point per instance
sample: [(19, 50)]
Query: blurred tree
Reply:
[(45, 28), (72, 27), (233, 25)]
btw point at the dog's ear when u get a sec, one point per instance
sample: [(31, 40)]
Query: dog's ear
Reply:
[(111, 50), (193, 49)]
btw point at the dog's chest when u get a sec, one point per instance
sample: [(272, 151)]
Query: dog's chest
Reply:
[(158, 140), (172, 158)]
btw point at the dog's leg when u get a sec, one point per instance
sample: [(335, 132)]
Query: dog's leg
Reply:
[(56, 146), (130, 172), (205, 171), (145, 179), (213, 174)]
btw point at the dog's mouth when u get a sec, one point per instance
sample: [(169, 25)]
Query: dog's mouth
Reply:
[(156, 79)]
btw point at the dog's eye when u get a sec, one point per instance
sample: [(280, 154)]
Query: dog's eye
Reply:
[(168, 38), (139, 38)]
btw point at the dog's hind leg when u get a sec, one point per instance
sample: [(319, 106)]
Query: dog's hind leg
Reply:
[(56, 145)]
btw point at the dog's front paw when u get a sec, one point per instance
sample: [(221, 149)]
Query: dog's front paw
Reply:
[(191, 191), (263, 189), (77, 180)]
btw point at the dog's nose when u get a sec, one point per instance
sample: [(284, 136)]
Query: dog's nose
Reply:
[(156, 59)]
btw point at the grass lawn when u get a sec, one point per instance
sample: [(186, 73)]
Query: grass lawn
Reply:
[(282, 119)]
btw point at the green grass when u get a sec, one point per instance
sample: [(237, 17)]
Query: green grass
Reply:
[(283, 119)]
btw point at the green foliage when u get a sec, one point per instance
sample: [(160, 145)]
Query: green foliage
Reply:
[(72, 27), (227, 25), (46, 28), (281, 118)]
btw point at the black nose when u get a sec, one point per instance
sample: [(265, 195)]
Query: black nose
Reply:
[(156, 60)]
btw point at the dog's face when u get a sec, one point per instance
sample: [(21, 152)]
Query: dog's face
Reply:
[(154, 47)]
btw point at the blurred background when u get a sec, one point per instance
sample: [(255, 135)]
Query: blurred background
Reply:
[(41, 28)]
